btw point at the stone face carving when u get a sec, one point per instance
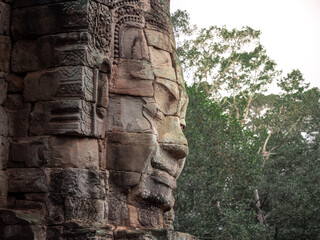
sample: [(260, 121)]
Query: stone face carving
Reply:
[(92, 106)]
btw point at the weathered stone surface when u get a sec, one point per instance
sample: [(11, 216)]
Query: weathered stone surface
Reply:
[(3, 87), (4, 152), (74, 152), (81, 183), (5, 49), (72, 117), (160, 57), (167, 72), (24, 3), (3, 122), (118, 210), (61, 152), (18, 115), (4, 18), (49, 19), (29, 152), (133, 44), (75, 230), (30, 205), (158, 40), (84, 209), (55, 209), (172, 133), (65, 49), (18, 224), (129, 151), (133, 77), (126, 114), (156, 234), (94, 89), (150, 217), (60, 83), (27, 180), (15, 84), (167, 96), (102, 89), (125, 179), (3, 189)]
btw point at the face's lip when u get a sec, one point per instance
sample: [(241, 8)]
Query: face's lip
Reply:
[(164, 178), (165, 166)]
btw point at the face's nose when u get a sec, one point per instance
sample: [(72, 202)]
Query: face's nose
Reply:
[(172, 139)]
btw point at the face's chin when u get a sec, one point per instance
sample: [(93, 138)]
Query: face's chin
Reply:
[(159, 182), (158, 191)]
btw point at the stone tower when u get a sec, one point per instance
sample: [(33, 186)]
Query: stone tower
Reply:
[(92, 110)]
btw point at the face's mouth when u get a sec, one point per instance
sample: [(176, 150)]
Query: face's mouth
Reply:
[(164, 178)]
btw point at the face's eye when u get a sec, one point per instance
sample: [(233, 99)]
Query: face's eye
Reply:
[(153, 110)]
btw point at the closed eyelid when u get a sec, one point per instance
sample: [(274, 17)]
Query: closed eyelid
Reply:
[(153, 111)]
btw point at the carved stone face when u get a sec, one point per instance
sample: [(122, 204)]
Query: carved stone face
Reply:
[(146, 147)]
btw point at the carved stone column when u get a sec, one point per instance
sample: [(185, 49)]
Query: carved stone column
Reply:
[(91, 140)]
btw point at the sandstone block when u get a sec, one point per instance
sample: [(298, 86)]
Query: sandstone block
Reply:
[(84, 209), (171, 133), (18, 224), (54, 233), (4, 153), (150, 217), (29, 152), (60, 83), (55, 209), (24, 3), (5, 49), (82, 183), (125, 113), (160, 57), (133, 44), (3, 122), (132, 77), (166, 72), (3, 87), (4, 18), (65, 49), (49, 19), (3, 189), (167, 95), (158, 40), (18, 115), (15, 84), (17, 232), (29, 205), (103, 89), (118, 210), (68, 152), (129, 151), (125, 179), (72, 117), (56, 152), (27, 180), (38, 197)]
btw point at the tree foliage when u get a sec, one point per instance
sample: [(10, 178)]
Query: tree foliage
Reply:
[(253, 171)]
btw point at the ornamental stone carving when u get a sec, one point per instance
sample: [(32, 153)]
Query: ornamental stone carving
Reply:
[(92, 107)]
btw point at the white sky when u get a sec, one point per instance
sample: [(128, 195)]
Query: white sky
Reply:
[(290, 28)]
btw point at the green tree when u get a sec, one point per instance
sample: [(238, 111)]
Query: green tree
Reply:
[(253, 169)]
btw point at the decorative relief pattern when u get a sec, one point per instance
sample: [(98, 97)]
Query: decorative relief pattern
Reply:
[(99, 18)]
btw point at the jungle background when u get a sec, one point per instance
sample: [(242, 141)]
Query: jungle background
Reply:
[(253, 171)]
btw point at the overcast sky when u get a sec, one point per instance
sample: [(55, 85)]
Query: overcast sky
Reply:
[(290, 28)]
